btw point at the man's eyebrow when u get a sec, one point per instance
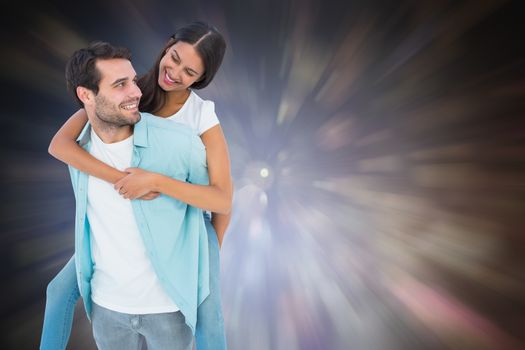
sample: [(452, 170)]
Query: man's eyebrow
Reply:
[(118, 81)]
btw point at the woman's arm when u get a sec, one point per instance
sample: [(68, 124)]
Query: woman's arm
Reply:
[(220, 223), (219, 173), (215, 197), (65, 148)]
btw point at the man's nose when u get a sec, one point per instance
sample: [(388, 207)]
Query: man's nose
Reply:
[(135, 91)]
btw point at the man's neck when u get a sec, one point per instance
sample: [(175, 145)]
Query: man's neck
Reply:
[(113, 134), (109, 133)]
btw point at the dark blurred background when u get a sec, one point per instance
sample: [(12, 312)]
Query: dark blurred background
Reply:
[(378, 152)]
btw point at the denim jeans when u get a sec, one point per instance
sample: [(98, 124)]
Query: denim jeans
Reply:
[(209, 332), (117, 331), (62, 295)]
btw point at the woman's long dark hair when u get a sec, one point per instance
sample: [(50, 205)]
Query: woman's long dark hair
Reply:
[(210, 46)]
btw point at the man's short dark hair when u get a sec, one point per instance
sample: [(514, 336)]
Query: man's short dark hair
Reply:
[(81, 68)]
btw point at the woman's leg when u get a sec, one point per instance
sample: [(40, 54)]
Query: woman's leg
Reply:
[(209, 334), (62, 295)]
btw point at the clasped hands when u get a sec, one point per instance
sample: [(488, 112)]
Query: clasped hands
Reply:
[(138, 184)]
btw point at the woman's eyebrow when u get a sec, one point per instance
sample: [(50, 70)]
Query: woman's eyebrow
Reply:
[(176, 55)]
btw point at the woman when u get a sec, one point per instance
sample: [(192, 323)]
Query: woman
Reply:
[(190, 59)]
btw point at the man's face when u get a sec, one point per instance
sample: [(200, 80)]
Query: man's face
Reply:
[(118, 97)]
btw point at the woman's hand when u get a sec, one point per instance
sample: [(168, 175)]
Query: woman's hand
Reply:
[(149, 196), (137, 184)]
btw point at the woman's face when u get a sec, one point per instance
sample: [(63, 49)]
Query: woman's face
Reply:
[(180, 67)]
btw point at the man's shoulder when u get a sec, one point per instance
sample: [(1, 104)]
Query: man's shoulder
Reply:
[(166, 132), (158, 124)]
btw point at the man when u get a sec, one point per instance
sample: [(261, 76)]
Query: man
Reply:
[(142, 266)]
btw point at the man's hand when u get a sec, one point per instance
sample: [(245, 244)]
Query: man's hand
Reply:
[(137, 184)]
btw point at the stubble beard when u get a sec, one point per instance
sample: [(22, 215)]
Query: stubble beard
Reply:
[(109, 116)]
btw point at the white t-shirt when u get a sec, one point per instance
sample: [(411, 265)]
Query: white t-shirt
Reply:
[(123, 279), (197, 113)]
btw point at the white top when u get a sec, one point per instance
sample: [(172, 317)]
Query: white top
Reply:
[(123, 277), (197, 113)]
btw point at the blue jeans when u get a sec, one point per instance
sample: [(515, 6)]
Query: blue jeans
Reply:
[(117, 331), (62, 295)]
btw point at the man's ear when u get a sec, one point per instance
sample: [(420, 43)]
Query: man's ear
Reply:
[(85, 95)]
